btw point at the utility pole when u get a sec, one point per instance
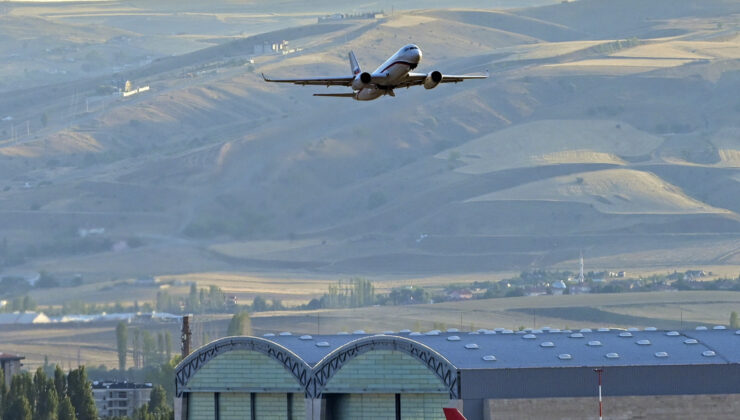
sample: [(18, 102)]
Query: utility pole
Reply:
[(599, 372)]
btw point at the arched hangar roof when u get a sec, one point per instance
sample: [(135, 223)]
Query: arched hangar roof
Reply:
[(313, 360)]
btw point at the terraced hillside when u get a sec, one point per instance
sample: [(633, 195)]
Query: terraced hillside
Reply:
[(607, 127)]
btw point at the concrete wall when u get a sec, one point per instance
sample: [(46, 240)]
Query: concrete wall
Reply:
[(664, 407)]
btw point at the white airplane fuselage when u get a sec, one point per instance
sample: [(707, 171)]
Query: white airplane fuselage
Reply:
[(396, 72), (391, 73)]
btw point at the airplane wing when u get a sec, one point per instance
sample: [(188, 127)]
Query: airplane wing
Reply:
[(317, 81), (415, 79)]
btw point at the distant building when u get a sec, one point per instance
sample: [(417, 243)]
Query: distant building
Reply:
[(11, 365), (24, 318), (460, 294), (694, 274), (119, 399)]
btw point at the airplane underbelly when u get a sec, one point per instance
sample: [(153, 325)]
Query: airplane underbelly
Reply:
[(368, 94)]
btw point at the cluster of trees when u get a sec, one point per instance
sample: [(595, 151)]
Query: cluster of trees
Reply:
[(60, 397), (354, 293), (198, 301), (21, 304), (147, 351)]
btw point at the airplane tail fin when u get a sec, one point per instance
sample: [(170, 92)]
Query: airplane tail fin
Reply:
[(353, 64), (453, 414)]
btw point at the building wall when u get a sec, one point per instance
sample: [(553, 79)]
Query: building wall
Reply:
[(385, 371), (235, 406), (243, 370), (423, 406), (665, 407), (238, 406), (201, 406)]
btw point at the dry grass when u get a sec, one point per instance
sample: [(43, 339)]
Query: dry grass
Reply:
[(618, 191), (553, 141)]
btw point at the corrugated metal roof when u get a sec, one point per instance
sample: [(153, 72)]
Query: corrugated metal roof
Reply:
[(551, 349)]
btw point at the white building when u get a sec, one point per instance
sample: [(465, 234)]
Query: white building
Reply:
[(24, 318), (119, 399)]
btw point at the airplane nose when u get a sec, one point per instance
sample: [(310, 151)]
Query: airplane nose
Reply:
[(416, 56)]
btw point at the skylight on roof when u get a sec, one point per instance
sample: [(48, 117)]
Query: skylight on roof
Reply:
[(471, 346), (672, 333), (415, 333), (612, 355), (691, 341), (701, 328), (433, 332), (306, 337), (651, 329), (453, 338), (576, 335), (529, 336), (604, 329), (489, 358), (404, 331), (625, 334), (268, 335), (594, 343), (586, 330), (452, 330), (719, 327), (358, 332), (285, 333), (565, 356), (322, 344), (661, 354), (708, 353), (547, 344), (642, 342), (633, 329), (507, 332)]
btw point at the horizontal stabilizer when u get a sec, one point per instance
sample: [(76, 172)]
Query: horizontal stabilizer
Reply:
[(336, 95)]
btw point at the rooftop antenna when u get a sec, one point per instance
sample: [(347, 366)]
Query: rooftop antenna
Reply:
[(580, 275)]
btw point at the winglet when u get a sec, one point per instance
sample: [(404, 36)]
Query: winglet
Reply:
[(453, 414), (264, 78)]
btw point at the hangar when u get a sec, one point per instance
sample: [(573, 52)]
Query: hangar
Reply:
[(488, 374)]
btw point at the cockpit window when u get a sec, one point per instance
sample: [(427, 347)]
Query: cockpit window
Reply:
[(411, 48)]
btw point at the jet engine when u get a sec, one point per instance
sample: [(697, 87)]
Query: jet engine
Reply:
[(361, 81), (432, 80)]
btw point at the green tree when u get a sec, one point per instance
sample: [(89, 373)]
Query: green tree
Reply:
[(80, 394), (18, 408), (158, 400), (122, 345), (46, 401), (168, 345), (259, 304), (66, 410), (734, 321), (3, 392), (149, 349), (60, 383), (240, 324)]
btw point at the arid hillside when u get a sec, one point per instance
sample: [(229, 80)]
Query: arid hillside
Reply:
[(605, 127)]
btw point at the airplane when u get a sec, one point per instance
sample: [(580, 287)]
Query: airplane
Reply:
[(453, 414), (396, 72)]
